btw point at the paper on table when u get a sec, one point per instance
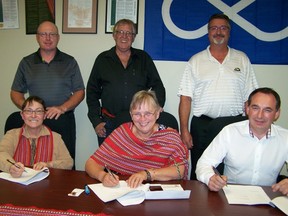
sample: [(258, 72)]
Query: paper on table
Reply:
[(132, 196), (281, 203), (253, 195), (170, 191), (107, 194), (76, 192), (27, 177), (246, 195)]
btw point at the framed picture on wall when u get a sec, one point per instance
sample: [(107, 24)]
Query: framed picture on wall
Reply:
[(80, 16), (117, 9), (38, 11)]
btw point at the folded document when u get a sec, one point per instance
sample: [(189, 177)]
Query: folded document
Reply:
[(253, 195), (27, 177), (133, 196)]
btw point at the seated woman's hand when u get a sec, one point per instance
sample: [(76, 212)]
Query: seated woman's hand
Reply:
[(109, 180), (16, 170), (136, 179), (39, 165)]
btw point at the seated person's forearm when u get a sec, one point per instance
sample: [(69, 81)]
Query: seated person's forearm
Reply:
[(168, 173), (94, 170), (61, 164)]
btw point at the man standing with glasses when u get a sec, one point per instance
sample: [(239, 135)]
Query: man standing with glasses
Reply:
[(116, 76), (218, 81), (54, 76)]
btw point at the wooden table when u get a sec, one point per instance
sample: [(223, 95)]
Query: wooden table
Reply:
[(51, 193)]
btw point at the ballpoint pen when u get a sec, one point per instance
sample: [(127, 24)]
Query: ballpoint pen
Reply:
[(15, 165), (109, 171), (217, 173)]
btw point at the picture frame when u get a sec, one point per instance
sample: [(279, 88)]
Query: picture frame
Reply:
[(80, 16), (116, 10), (37, 11)]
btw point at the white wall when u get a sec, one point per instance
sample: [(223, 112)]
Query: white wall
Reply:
[(15, 44)]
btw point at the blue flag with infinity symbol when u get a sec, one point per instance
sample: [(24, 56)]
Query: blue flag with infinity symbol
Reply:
[(177, 29)]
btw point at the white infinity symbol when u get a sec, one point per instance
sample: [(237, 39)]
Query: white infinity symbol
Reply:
[(229, 11)]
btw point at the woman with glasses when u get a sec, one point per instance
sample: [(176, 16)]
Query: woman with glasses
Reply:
[(34, 144), (143, 149)]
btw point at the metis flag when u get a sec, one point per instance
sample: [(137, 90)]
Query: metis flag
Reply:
[(177, 29)]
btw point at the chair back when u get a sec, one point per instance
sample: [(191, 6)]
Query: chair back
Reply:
[(14, 120), (168, 120)]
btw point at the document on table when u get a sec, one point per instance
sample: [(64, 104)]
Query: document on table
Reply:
[(281, 203), (133, 196), (253, 195), (27, 177)]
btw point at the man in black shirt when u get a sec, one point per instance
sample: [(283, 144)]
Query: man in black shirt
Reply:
[(116, 76)]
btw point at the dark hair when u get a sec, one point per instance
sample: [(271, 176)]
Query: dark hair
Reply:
[(123, 22), (266, 90), (30, 100), (219, 16)]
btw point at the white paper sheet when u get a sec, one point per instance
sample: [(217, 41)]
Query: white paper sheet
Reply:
[(133, 196), (107, 194), (253, 195), (282, 203), (27, 177), (246, 195)]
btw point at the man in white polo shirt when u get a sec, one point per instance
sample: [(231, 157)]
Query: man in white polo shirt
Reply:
[(217, 82)]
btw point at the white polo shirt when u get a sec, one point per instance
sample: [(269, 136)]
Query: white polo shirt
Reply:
[(218, 89)]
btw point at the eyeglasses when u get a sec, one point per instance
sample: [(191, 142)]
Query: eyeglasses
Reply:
[(221, 28), (46, 34), (30, 112), (138, 115), (127, 33)]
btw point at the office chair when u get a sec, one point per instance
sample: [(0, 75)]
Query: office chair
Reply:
[(14, 120), (169, 120)]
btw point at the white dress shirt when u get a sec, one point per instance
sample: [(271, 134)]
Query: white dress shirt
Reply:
[(247, 159)]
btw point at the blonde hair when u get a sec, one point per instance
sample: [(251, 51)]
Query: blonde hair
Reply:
[(142, 97)]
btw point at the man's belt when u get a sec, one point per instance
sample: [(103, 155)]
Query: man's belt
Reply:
[(106, 113)]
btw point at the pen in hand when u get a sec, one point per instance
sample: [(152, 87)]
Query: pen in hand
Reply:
[(15, 165), (217, 173), (109, 171)]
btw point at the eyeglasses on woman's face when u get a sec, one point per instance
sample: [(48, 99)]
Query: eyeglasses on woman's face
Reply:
[(146, 115), (30, 111)]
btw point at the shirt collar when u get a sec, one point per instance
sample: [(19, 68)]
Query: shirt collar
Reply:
[(112, 52), (38, 57), (213, 59), (268, 133)]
